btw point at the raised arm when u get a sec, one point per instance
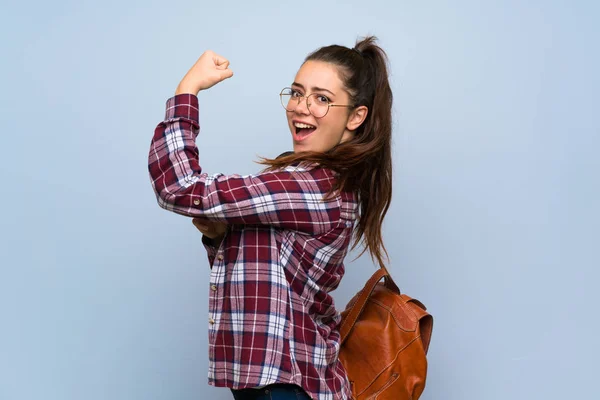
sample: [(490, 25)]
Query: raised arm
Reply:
[(290, 198)]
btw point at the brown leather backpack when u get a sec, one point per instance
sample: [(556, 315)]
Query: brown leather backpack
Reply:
[(384, 341)]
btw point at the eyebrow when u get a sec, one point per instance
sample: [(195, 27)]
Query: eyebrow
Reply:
[(313, 88)]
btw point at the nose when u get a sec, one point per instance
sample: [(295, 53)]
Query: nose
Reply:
[(302, 106)]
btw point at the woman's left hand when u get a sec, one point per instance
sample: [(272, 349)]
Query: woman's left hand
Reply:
[(210, 229)]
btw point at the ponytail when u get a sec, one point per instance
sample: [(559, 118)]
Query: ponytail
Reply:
[(364, 163)]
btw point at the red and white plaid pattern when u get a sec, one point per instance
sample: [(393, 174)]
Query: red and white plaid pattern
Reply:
[(271, 318)]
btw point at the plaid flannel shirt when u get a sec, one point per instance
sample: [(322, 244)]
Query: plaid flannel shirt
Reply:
[(271, 318)]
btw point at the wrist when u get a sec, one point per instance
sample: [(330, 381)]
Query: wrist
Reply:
[(219, 239), (215, 240), (182, 89)]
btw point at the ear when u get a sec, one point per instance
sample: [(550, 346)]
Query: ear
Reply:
[(357, 117)]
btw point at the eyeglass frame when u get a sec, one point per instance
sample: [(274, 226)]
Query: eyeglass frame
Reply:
[(329, 104)]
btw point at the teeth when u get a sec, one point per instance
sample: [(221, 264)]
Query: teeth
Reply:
[(299, 125)]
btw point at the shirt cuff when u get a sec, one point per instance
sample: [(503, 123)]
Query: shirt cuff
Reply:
[(182, 106)]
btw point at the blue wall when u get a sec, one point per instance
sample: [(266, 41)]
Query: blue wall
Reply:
[(495, 217)]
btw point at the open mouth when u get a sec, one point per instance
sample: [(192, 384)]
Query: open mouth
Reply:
[(302, 131)]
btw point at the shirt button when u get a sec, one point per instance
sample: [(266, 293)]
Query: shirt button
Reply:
[(211, 321), (213, 288), (220, 257), (197, 202)]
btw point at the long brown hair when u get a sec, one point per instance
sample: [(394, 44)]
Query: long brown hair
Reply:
[(364, 163)]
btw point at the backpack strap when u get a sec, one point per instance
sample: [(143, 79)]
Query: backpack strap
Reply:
[(359, 305)]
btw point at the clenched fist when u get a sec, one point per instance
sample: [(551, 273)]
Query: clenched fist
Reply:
[(209, 70)]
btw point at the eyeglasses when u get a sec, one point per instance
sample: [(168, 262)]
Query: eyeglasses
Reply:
[(318, 105)]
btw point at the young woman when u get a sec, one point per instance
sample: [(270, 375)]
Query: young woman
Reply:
[(276, 240)]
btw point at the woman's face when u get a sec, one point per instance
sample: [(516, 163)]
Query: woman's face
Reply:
[(323, 79)]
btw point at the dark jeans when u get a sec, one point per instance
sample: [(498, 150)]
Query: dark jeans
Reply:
[(276, 391)]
